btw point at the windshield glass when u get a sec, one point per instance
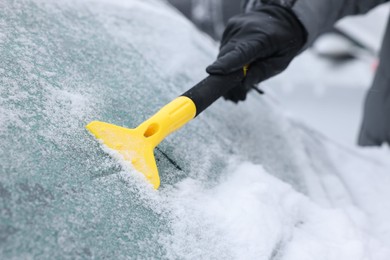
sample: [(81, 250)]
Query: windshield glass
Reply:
[(65, 64)]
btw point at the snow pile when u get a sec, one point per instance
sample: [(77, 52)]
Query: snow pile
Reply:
[(252, 215)]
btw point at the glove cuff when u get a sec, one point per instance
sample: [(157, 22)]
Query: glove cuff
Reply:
[(284, 3)]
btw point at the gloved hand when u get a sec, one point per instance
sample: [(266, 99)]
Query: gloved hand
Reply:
[(266, 39)]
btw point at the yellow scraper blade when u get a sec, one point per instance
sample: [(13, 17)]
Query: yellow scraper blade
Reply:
[(137, 145), (131, 144)]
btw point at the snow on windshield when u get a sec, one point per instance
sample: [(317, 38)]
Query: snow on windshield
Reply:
[(239, 182)]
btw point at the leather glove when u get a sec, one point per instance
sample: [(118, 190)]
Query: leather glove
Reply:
[(266, 39)]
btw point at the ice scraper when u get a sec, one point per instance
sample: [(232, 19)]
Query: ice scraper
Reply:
[(137, 145)]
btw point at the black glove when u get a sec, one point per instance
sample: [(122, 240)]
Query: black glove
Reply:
[(266, 39)]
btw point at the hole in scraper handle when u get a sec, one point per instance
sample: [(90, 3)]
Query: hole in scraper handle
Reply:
[(152, 130)]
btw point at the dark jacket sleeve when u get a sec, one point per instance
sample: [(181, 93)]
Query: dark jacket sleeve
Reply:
[(319, 16)]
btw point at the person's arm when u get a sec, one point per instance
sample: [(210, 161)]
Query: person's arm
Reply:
[(273, 32), (319, 16)]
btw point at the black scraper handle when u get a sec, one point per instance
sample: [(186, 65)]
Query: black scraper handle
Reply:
[(213, 87)]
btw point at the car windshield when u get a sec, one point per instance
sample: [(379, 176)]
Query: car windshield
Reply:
[(65, 64)]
